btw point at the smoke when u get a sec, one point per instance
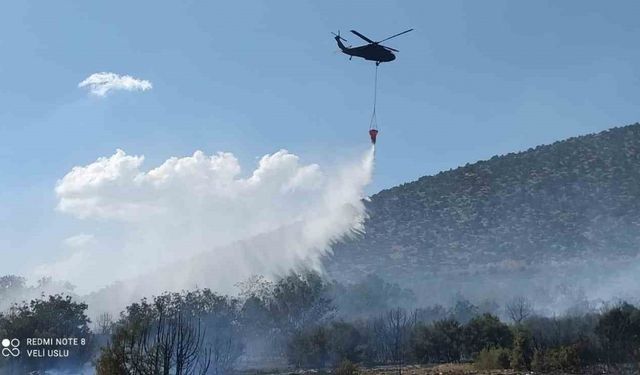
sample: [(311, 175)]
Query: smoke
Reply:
[(198, 222)]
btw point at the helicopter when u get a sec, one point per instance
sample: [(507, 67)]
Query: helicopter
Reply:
[(374, 51)]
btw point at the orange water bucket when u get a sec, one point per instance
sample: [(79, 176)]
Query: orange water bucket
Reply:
[(373, 133)]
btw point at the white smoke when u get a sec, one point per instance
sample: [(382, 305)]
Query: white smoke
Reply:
[(197, 221)]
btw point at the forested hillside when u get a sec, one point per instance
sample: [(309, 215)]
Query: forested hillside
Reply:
[(569, 201)]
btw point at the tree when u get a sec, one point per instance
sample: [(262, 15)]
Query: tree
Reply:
[(299, 301), (11, 286), (522, 351), (11, 282), (274, 313), (432, 313), (158, 338), (488, 305), (309, 348), (345, 343), (370, 296), (619, 330), (375, 349), (104, 324), (255, 286), (176, 334), (463, 310), (440, 341), (53, 317), (563, 331), (519, 309), (484, 332), (397, 326)]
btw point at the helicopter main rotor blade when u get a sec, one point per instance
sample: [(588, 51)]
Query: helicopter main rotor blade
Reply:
[(363, 37), (393, 36), (389, 48)]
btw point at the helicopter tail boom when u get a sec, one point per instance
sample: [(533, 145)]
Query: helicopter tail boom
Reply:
[(339, 40), (340, 44)]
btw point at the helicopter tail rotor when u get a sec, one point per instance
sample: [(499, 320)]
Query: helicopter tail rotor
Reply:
[(338, 36)]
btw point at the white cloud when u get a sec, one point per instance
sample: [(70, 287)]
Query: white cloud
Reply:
[(79, 240), (202, 210), (102, 83)]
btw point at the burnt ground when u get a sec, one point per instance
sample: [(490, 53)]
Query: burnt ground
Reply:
[(468, 369), (447, 369), (444, 369)]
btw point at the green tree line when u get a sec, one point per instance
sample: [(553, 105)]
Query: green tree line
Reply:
[(299, 320)]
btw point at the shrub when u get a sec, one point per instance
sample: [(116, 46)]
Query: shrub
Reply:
[(522, 352), (563, 358), (493, 359), (538, 362), (308, 348), (346, 367), (345, 343)]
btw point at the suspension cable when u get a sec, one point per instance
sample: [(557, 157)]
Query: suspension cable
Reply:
[(373, 124)]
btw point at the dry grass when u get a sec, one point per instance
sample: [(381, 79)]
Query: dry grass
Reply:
[(444, 369)]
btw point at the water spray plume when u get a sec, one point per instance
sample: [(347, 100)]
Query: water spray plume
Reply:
[(197, 222)]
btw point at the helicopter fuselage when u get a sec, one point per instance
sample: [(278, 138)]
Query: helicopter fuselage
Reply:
[(372, 52)]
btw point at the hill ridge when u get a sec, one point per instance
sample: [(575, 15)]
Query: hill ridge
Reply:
[(573, 199)]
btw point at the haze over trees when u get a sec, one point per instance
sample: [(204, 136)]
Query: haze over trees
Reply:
[(564, 214), (294, 322)]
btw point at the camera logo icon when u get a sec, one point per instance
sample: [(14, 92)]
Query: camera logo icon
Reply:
[(10, 347)]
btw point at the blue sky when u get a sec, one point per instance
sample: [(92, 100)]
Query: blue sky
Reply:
[(473, 80)]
